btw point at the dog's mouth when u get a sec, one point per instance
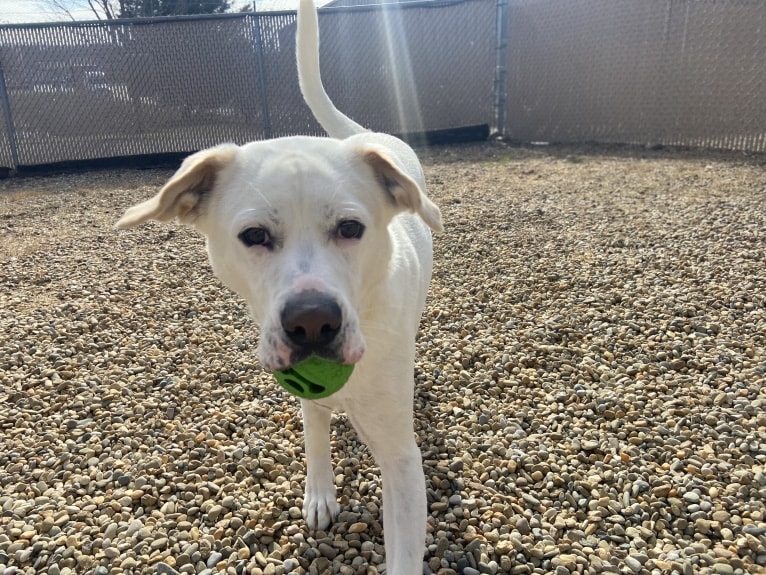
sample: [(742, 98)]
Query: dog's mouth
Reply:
[(284, 357), (304, 352), (277, 353)]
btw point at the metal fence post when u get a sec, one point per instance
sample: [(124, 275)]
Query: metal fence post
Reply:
[(261, 74), (5, 103), (501, 66)]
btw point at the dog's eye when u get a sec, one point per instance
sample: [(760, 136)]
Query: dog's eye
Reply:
[(350, 230), (255, 237)]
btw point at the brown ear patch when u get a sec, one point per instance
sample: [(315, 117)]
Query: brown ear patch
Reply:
[(182, 195), (402, 189), (398, 185)]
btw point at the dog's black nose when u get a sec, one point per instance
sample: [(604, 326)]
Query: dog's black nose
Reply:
[(311, 319)]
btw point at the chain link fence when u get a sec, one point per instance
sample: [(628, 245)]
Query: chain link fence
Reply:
[(666, 72), (81, 91), (650, 72)]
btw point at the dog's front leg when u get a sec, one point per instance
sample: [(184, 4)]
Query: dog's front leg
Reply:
[(320, 504), (393, 446)]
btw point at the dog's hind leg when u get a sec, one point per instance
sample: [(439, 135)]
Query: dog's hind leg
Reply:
[(320, 504)]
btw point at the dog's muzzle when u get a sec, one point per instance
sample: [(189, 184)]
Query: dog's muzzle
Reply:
[(311, 322)]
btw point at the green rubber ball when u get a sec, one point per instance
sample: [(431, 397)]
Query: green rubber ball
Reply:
[(314, 377)]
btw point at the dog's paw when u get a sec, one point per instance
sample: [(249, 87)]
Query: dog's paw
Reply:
[(319, 508)]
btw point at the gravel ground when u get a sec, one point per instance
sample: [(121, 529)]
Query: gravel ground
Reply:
[(591, 376)]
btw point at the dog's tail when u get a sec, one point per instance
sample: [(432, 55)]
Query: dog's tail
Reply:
[(335, 123)]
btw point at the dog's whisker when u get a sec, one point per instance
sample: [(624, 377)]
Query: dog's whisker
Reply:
[(264, 198)]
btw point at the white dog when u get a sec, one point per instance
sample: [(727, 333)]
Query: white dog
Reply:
[(328, 240)]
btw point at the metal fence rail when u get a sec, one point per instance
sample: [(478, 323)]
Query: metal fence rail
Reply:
[(679, 72)]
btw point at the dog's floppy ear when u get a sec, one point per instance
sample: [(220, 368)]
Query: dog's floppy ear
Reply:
[(180, 196), (404, 191)]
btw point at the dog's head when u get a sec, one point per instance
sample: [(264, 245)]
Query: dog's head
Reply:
[(299, 228)]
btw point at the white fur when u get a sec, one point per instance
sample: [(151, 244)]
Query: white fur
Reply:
[(299, 189)]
